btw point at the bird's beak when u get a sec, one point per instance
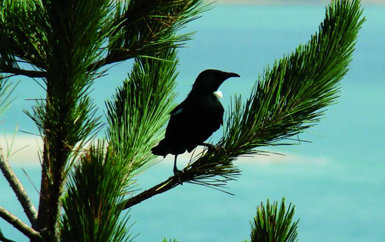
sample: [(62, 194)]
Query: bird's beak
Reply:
[(231, 74)]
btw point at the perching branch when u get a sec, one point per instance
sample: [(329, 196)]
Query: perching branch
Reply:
[(212, 169), (171, 182), (168, 184), (18, 188), (18, 224)]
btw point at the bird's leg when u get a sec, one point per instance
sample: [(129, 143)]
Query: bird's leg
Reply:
[(176, 171)]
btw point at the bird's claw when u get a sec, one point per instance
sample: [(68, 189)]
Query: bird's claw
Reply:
[(213, 148)]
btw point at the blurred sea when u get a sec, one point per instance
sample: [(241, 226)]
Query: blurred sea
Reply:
[(337, 182)]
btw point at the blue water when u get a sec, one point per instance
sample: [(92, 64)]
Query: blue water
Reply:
[(337, 182)]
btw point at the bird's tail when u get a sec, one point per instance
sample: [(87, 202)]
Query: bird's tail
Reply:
[(161, 148)]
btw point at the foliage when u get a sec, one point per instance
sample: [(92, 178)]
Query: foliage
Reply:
[(94, 189), (140, 108), (6, 89), (68, 45), (292, 95), (288, 98), (273, 223)]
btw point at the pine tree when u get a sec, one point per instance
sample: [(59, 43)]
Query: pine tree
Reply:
[(87, 181)]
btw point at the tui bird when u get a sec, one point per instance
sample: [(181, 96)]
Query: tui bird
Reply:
[(196, 118)]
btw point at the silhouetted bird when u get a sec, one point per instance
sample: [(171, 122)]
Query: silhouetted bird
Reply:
[(196, 118)]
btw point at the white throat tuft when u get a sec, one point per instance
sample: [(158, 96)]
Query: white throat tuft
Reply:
[(218, 94)]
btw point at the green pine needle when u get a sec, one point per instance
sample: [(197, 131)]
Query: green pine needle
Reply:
[(292, 95), (95, 188), (274, 223), (140, 108), (6, 90)]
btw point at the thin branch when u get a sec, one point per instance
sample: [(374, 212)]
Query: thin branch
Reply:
[(18, 224), (115, 56), (18, 188), (19, 71), (168, 184)]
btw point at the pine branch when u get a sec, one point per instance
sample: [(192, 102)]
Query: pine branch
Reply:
[(19, 225), (134, 28), (292, 95), (135, 116), (111, 58), (164, 186), (95, 187), (23, 72), (18, 189), (146, 28), (274, 223), (140, 108), (66, 117), (22, 39), (212, 168)]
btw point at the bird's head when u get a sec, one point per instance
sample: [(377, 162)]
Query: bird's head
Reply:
[(208, 81)]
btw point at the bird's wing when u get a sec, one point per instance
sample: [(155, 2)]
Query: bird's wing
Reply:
[(194, 120), (177, 122)]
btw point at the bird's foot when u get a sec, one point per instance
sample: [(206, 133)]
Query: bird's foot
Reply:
[(213, 148)]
